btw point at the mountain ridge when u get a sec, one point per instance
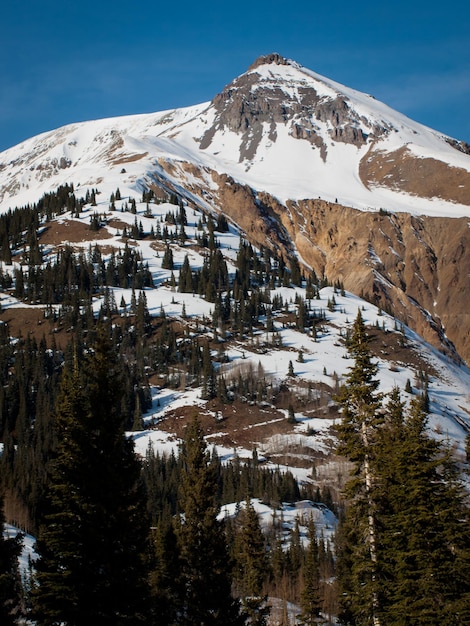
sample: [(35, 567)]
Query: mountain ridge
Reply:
[(290, 157), (312, 121)]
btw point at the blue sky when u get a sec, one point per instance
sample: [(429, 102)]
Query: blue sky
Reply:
[(63, 62)]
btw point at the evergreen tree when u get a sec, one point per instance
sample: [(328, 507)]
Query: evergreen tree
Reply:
[(205, 567), (310, 600), (164, 576), (403, 545), (167, 260), (358, 566), (91, 545), (251, 566), (10, 583), (424, 541)]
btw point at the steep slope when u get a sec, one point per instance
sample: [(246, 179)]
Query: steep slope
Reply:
[(303, 165)]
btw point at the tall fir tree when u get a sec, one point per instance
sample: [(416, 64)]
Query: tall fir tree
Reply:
[(92, 542), (421, 567), (424, 521), (10, 582), (310, 599), (251, 566), (205, 566), (358, 567), (164, 576)]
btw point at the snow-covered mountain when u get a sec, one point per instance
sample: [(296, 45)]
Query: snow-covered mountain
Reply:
[(359, 192), (278, 128)]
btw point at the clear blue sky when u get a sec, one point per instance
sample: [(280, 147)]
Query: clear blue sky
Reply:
[(63, 62)]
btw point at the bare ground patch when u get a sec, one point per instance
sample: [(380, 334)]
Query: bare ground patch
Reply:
[(30, 322), (425, 177), (72, 231), (119, 160)]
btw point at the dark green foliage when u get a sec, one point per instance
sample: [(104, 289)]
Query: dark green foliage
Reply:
[(296, 276), (359, 399), (251, 566), (72, 280), (222, 224), (235, 482), (425, 546), (165, 588), (92, 542), (403, 547), (310, 600), (10, 584), (167, 260), (205, 567), (185, 280)]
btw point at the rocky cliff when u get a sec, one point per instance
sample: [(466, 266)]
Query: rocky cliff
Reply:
[(417, 267)]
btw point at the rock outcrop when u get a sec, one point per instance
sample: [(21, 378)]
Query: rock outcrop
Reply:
[(415, 267)]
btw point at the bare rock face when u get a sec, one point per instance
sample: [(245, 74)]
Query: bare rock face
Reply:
[(416, 268), (253, 100), (425, 177)]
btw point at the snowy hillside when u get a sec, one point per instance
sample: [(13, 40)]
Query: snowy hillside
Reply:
[(323, 362), (300, 366)]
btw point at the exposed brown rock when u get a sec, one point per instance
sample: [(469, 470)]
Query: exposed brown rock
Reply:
[(425, 177), (266, 59), (416, 267)]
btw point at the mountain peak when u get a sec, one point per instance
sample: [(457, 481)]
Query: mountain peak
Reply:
[(269, 59), (276, 93)]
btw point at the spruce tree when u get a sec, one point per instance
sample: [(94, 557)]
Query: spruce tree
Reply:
[(358, 566), (421, 569), (91, 543), (164, 576), (251, 566), (310, 599), (424, 540), (205, 566), (10, 583)]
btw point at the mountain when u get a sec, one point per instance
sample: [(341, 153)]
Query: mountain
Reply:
[(184, 235), (360, 193)]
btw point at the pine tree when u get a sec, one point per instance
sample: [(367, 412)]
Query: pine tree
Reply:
[(415, 507), (91, 544), (164, 576), (167, 260), (358, 567), (424, 542), (310, 600), (205, 567), (10, 583), (251, 566)]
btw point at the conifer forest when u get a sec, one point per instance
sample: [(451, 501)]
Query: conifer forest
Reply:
[(173, 539)]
